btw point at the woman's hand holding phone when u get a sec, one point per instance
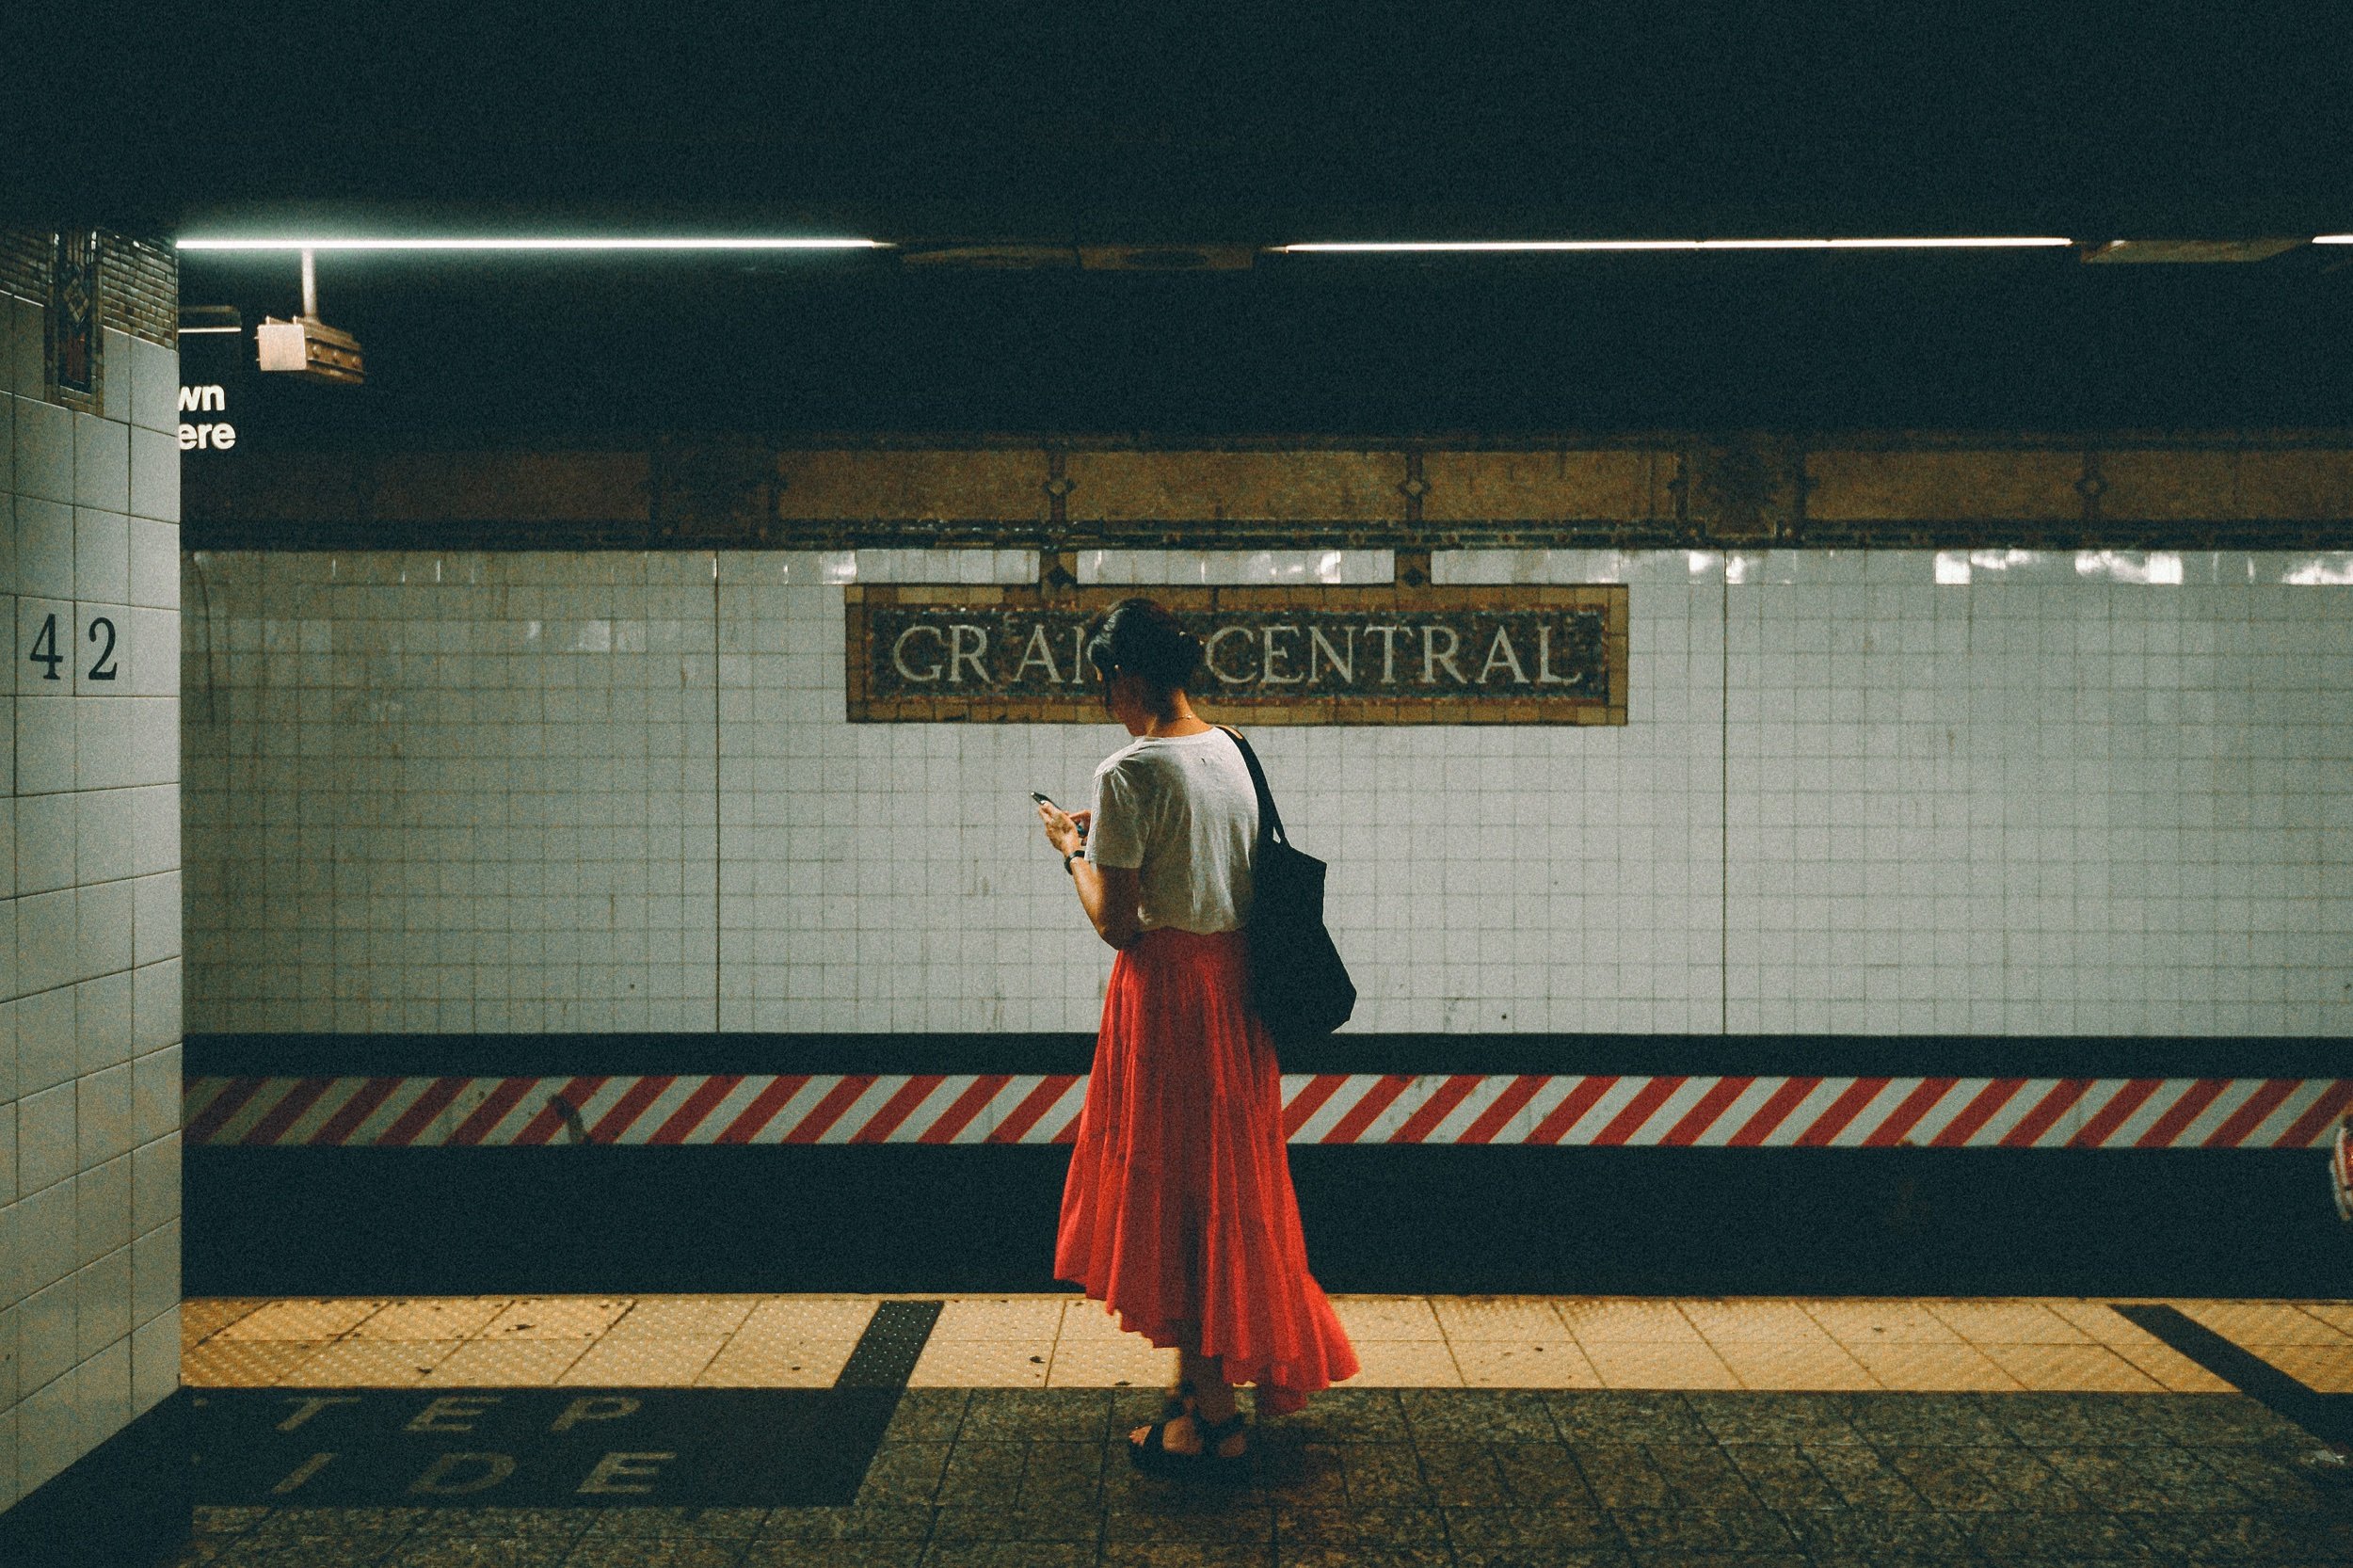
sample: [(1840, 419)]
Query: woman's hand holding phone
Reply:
[(1066, 830)]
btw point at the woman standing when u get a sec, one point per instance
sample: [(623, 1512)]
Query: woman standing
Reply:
[(1178, 1212)]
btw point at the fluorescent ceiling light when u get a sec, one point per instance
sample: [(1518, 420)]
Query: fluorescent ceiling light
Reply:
[(525, 242), (2332, 239), (1993, 242)]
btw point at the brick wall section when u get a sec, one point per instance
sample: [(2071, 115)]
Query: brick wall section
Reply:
[(138, 289), (1915, 489)]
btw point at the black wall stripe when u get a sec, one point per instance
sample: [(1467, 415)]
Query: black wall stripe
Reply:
[(1959, 1056)]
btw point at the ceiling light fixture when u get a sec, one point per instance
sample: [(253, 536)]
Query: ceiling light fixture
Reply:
[(2332, 239), (529, 243), (1982, 241)]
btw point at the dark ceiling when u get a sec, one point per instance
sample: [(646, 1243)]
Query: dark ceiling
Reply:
[(1256, 123)]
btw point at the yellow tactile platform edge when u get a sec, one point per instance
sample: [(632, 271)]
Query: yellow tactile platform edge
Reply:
[(1056, 1341)]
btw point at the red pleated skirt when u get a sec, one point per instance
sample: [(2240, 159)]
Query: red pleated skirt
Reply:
[(1179, 1207)]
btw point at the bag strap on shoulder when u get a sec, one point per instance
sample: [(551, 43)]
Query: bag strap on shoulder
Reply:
[(1269, 819)]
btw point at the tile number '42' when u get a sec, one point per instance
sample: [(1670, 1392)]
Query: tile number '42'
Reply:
[(102, 637)]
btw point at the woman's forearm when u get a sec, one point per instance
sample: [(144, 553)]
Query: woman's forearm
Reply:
[(1109, 900)]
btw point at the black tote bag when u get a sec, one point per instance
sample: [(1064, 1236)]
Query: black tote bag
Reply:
[(1298, 986)]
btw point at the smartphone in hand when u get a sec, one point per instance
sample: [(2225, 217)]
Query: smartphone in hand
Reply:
[(1048, 800)]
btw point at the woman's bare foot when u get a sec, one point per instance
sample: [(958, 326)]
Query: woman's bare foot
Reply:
[(1183, 1436)]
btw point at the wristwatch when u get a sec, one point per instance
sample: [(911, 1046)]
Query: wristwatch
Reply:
[(1078, 853)]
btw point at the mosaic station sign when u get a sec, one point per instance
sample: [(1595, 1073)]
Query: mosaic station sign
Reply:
[(1273, 655)]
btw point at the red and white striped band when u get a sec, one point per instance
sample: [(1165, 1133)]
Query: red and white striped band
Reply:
[(1581, 1109)]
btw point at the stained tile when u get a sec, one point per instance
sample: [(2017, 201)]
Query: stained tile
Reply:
[(776, 1363), (1724, 1322), (1637, 1319), (308, 1318), (2008, 1322), (807, 1317), (220, 1363), (355, 1363), (1367, 1317), (2325, 1368), (647, 1361), (1404, 1364), (1651, 1363), (681, 1318), (1520, 1321), (1881, 1322), (1773, 1365), (2253, 1323), (983, 1364), (1090, 1320), (1129, 1361), (1931, 1367), (433, 1318), (203, 1315), (2071, 1368), (1497, 1364), (999, 1317), (2170, 1368), (504, 1364), (555, 1318)]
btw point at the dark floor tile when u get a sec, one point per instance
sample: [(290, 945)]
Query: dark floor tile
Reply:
[(1191, 1517), (1704, 1529), (927, 1416), (1782, 1476), (859, 1522), (1067, 1414), (207, 1519), (715, 1523), (1929, 1421), (1621, 1475), (2271, 1475), (1158, 1554), (1494, 1530), (1312, 1553), (1616, 1415), (1543, 1474), (2054, 1538), (1382, 1473), (2249, 1537), (1847, 1535), (1479, 1415), (767, 1553), (1010, 1554), (1369, 1526), (1700, 1475), (1351, 1415), (1741, 1417), (1307, 1475), (983, 1521), (1862, 1478), (1542, 1556), (1675, 1557), (905, 1473), (656, 1551), (2080, 1421), (1462, 1474), (491, 1538), (981, 1472), (2164, 1480), (1965, 1480)]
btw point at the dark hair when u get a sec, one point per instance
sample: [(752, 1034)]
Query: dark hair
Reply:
[(1140, 638)]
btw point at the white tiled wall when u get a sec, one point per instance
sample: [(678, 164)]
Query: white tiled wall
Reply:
[(89, 905), (1892, 792)]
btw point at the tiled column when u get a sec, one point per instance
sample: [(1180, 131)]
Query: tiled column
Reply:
[(90, 882)]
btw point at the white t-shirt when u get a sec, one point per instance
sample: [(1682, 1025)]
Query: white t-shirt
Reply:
[(1180, 808)]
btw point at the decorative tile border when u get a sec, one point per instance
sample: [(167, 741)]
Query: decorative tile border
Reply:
[(1575, 1109)]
